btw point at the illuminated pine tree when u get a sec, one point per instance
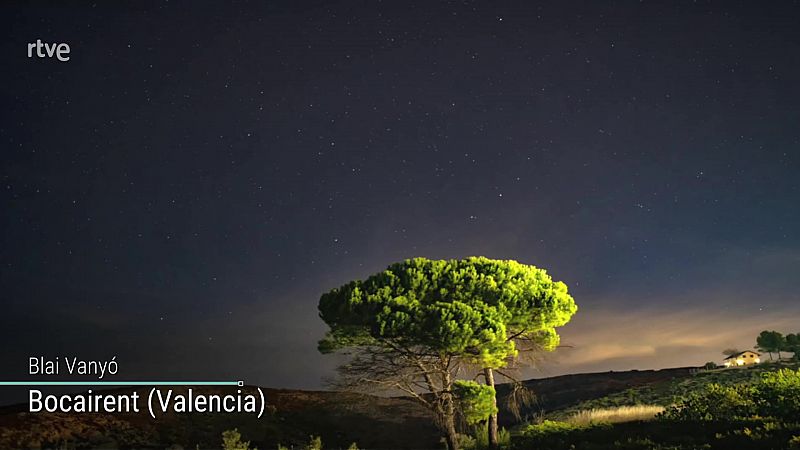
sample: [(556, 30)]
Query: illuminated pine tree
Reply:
[(418, 324)]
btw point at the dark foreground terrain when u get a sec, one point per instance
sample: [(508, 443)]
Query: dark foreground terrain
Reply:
[(339, 418)]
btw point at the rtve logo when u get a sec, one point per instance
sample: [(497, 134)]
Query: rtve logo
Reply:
[(45, 50)]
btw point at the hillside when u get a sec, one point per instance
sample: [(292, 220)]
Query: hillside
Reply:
[(340, 418), (753, 407), (558, 393), (669, 391), (292, 416)]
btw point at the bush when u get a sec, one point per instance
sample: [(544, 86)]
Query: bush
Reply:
[(232, 440), (503, 437), (481, 438), (549, 427), (778, 394), (752, 434), (467, 442), (476, 401), (314, 443), (717, 402), (751, 413)]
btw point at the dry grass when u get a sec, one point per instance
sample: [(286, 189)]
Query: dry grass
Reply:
[(615, 415)]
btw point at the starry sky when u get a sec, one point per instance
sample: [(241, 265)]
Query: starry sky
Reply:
[(180, 193)]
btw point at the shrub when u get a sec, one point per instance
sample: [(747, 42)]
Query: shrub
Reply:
[(467, 442), (477, 401), (232, 440), (548, 427), (752, 434), (481, 437), (716, 402), (778, 394), (503, 437), (314, 443)]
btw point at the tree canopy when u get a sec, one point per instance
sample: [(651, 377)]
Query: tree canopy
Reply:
[(770, 342), (793, 344), (461, 306)]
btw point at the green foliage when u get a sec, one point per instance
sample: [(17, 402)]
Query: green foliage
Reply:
[(503, 437), (353, 446), (314, 443), (467, 442), (778, 394), (232, 440), (716, 403), (480, 439), (461, 307), (751, 408), (549, 427), (476, 400), (471, 311), (711, 365), (752, 434), (481, 434), (669, 392)]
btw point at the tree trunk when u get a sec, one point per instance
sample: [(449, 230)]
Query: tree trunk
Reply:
[(452, 436), (492, 422), (449, 414)]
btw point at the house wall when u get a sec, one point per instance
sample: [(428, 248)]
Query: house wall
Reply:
[(745, 359)]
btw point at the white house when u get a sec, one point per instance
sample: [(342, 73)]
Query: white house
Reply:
[(745, 358)]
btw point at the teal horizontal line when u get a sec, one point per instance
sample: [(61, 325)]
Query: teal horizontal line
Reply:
[(119, 383)]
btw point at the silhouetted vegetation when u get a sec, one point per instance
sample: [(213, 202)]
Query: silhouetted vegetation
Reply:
[(774, 342)]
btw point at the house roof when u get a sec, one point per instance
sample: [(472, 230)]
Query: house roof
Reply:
[(735, 355)]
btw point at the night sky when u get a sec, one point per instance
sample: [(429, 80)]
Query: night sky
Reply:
[(181, 192)]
